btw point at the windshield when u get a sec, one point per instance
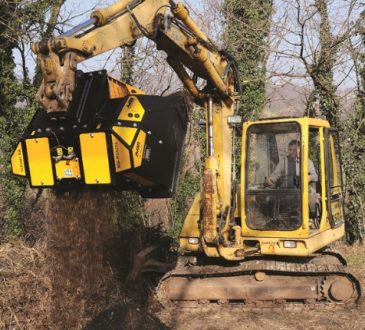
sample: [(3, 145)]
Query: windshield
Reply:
[(273, 192)]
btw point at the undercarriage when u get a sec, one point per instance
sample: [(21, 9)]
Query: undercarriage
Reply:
[(261, 282)]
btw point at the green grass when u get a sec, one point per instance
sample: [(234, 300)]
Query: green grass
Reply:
[(356, 260)]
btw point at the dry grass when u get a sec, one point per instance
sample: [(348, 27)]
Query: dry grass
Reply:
[(53, 286), (75, 270), (25, 287), (64, 280), (39, 292)]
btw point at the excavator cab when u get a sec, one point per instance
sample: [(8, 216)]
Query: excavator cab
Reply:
[(276, 206), (290, 201), (291, 185)]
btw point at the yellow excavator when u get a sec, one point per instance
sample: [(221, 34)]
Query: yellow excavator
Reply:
[(260, 241)]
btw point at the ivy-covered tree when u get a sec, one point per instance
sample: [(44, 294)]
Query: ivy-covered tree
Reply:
[(247, 26), (321, 69), (354, 165), (354, 149), (323, 101), (127, 64), (246, 34)]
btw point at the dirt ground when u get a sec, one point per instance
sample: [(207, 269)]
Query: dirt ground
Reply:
[(135, 317), (352, 319), (346, 318), (35, 296), (153, 317), (75, 277), (228, 318)]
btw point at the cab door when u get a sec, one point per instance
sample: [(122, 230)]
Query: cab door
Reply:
[(334, 184)]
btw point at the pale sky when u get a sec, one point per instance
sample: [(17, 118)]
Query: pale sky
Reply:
[(76, 12)]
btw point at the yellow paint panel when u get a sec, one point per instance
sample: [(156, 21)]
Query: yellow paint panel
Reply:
[(125, 133), (17, 161), (138, 149), (122, 157), (118, 89), (94, 157), (134, 90), (191, 223), (40, 163), (132, 110), (68, 169)]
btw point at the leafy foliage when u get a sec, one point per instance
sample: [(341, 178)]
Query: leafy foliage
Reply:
[(189, 185), (11, 125), (13, 120), (17, 103), (190, 174), (126, 210)]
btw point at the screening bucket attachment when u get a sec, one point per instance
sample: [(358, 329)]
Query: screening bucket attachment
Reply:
[(113, 135)]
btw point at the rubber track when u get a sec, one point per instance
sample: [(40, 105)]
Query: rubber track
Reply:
[(331, 252), (270, 268)]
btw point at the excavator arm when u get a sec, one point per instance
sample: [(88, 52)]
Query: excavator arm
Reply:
[(120, 25)]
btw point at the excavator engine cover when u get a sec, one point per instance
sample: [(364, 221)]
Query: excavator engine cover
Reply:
[(112, 135)]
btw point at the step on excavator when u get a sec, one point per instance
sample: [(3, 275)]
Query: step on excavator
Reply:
[(261, 241)]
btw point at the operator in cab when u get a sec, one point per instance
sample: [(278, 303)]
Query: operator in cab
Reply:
[(287, 171)]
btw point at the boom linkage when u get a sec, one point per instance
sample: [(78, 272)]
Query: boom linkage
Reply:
[(120, 25)]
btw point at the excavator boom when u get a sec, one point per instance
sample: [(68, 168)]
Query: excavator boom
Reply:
[(120, 25)]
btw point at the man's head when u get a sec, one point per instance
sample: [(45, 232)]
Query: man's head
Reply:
[(294, 149)]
